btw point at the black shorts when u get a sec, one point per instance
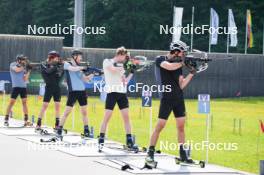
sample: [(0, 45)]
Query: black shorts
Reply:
[(52, 92), (19, 91), (168, 105), (115, 97), (79, 96)]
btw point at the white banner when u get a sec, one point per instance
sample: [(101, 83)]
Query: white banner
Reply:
[(214, 23), (177, 23), (42, 89), (2, 86), (231, 27)]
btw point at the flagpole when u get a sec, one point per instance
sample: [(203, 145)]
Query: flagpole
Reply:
[(246, 33), (263, 40), (227, 39), (209, 50), (192, 28)]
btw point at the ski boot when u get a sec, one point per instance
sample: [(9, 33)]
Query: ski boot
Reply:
[(132, 147), (130, 144), (6, 123), (59, 133), (86, 135), (185, 159), (64, 131), (41, 131), (185, 155), (150, 163), (100, 143), (27, 124)]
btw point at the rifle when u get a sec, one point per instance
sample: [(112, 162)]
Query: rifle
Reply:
[(91, 70), (198, 60), (137, 63)]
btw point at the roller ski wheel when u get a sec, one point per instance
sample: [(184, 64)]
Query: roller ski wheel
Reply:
[(179, 161), (144, 149), (202, 164), (100, 147), (150, 163)]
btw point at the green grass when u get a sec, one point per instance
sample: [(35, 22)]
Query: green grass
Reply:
[(250, 110)]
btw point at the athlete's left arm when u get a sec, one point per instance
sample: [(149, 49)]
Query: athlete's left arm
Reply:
[(26, 76), (87, 78), (128, 78), (185, 81)]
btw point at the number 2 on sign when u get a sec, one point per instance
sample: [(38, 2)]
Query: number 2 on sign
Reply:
[(146, 101)]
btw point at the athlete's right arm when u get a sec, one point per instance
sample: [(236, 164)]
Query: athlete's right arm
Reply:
[(69, 67), (48, 70), (171, 66), (17, 68), (109, 66)]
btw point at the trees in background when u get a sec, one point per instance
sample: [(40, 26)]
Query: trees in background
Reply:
[(133, 23)]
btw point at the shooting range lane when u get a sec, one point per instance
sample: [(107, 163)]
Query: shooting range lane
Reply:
[(44, 162), (166, 165), (88, 151)]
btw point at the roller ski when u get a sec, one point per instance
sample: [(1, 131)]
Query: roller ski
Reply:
[(52, 140), (131, 149), (26, 124), (57, 138), (42, 132), (189, 162), (185, 159), (150, 163)]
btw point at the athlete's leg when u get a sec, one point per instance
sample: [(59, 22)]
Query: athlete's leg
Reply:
[(57, 113), (9, 107), (25, 108), (14, 94), (57, 99), (164, 113), (42, 113), (84, 113), (179, 113), (180, 123), (107, 116), (126, 120), (155, 135), (110, 102), (66, 113)]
